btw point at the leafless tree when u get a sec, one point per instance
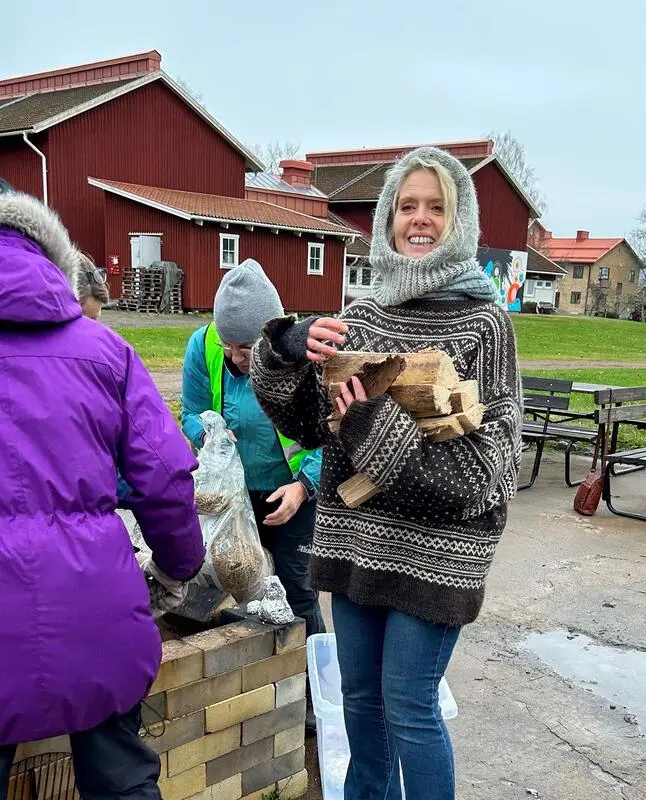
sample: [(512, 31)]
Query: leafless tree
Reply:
[(512, 153), (273, 153), (637, 240)]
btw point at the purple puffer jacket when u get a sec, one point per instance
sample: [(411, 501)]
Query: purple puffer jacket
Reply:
[(77, 639)]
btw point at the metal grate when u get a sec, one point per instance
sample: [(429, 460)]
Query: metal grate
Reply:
[(44, 777)]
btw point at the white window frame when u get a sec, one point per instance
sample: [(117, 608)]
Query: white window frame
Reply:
[(530, 288), (236, 249), (311, 246)]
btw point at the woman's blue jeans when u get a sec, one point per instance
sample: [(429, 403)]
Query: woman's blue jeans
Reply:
[(391, 666)]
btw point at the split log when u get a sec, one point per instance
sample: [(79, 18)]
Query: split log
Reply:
[(427, 366), (440, 429), (471, 419), (376, 378), (465, 395), (357, 490), (423, 399)]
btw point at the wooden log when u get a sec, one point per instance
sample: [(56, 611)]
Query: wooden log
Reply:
[(465, 396), (357, 490), (427, 366), (440, 429), (376, 378), (423, 399), (471, 419)]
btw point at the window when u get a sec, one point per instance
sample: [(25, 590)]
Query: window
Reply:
[(633, 275), (315, 259), (620, 288), (360, 276), (604, 273), (530, 288), (575, 298), (229, 250), (578, 271)]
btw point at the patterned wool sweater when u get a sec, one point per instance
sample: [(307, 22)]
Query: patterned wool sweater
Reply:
[(424, 545)]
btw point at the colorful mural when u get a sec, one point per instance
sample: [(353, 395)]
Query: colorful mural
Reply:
[(507, 269)]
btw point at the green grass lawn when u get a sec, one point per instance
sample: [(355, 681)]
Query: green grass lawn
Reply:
[(159, 348), (543, 337)]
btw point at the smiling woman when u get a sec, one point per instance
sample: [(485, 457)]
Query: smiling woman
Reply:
[(407, 568)]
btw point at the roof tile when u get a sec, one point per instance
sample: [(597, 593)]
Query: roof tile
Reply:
[(231, 209), (585, 251), (25, 113)]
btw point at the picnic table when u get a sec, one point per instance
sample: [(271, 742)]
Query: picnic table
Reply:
[(553, 420)]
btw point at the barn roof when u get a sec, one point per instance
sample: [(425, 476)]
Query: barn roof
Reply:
[(216, 208), (38, 111)]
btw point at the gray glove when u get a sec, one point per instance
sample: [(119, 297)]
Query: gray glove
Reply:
[(166, 594)]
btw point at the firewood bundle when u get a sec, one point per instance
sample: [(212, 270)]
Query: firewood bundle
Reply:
[(426, 384)]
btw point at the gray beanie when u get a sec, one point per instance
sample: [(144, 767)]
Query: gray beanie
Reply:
[(246, 299)]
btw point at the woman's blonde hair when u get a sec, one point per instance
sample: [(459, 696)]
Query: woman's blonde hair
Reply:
[(447, 185)]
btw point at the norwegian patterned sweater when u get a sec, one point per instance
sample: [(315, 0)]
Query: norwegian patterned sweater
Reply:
[(423, 545)]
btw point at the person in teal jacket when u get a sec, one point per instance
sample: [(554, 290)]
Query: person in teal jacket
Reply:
[(282, 477)]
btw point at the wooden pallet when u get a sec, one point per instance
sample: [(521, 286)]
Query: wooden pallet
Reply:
[(142, 290)]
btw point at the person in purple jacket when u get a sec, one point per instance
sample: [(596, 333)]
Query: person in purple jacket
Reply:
[(79, 648)]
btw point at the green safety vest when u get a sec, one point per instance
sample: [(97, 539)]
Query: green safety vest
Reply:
[(214, 357)]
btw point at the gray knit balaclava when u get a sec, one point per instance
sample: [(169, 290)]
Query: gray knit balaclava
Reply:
[(451, 269), (246, 299)]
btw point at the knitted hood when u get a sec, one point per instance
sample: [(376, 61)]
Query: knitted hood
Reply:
[(451, 269)]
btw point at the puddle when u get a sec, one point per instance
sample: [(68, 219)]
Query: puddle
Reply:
[(610, 672)]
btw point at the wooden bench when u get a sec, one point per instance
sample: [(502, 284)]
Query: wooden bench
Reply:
[(613, 413), (552, 421)]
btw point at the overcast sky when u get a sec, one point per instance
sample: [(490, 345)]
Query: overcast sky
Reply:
[(565, 76)]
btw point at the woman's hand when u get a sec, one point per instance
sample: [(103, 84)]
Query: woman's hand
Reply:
[(349, 396), (291, 496), (323, 334)]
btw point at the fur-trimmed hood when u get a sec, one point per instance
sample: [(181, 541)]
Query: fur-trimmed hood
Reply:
[(38, 263), (29, 216)]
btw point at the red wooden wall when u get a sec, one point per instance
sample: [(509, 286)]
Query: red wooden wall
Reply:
[(504, 217), (359, 214), (20, 165)]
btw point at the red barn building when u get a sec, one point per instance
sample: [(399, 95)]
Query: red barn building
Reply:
[(138, 171)]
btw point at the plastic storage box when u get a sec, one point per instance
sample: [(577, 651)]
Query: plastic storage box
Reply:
[(325, 680)]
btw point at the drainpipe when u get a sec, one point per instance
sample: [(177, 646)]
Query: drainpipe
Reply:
[(43, 159)]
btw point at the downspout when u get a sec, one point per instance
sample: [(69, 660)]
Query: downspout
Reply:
[(43, 159)]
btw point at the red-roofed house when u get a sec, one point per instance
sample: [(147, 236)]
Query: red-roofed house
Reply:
[(139, 171), (602, 275)]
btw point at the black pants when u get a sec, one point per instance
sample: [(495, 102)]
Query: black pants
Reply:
[(110, 761), (291, 546)]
